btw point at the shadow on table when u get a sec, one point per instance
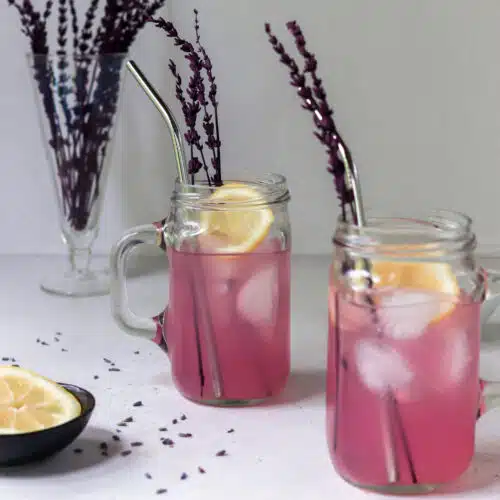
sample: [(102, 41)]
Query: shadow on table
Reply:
[(67, 461), (302, 385)]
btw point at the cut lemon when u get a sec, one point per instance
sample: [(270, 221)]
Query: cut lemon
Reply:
[(433, 277), (30, 402), (235, 227)]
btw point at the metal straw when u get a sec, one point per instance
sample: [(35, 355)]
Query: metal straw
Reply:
[(167, 115), (198, 284), (353, 184)]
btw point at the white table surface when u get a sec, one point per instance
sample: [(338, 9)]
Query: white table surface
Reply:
[(276, 452)]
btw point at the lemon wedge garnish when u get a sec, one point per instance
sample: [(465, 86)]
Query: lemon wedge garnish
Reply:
[(236, 228), (433, 277), (30, 402)]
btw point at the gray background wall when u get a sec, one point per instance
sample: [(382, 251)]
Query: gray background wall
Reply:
[(415, 85)]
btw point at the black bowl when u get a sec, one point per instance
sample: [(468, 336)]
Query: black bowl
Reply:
[(22, 449)]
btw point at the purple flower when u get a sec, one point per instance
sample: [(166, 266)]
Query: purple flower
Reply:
[(197, 101), (314, 100)]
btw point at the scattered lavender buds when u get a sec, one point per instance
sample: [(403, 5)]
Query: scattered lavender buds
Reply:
[(148, 475), (116, 438), (125, 453), (183, 417), (137, 404), (167, 442), (114, 370), (195, 101), (161, 491), (185, 435), (230, 431), (136, 444), (77, 451), (163, 429), (221, 453), (314, 100), (184, 476), (201, 470)]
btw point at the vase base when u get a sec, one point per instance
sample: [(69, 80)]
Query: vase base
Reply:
[(77, 284)]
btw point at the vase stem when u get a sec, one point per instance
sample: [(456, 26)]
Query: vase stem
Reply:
[(79, 259)]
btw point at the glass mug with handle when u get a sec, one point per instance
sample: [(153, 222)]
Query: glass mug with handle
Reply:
[(226, 328), (403, 356)]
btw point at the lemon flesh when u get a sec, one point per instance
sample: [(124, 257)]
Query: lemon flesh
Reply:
[(235, 228), (30, 402)]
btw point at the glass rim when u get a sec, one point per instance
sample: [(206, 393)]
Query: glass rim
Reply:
[(433, 234), (272, 188)]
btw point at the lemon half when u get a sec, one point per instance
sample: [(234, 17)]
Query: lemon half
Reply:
[(30, 402), (238, 229)]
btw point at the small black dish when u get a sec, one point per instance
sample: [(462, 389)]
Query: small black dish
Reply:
[(22, 449)]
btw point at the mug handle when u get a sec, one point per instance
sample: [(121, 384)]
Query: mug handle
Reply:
[(149, 328)]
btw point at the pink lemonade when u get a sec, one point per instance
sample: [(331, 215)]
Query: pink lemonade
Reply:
[(402, 387), (229, 320)]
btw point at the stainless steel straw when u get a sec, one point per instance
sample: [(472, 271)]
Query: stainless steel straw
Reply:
[(198, 284), (167, 116), (391, 464)]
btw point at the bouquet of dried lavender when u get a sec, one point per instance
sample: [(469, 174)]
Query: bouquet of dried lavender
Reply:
[(78, 84), (195, 100)]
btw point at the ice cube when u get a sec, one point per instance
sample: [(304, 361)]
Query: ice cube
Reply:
[(406, 314), (257, 299), (381, 367)]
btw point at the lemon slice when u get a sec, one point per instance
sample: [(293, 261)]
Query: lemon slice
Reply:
[(30, 402), (433, 277), (238, 229)]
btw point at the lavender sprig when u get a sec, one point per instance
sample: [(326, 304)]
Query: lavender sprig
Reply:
[(211, 129), (192, 108), (196, 102), (315, 100)]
